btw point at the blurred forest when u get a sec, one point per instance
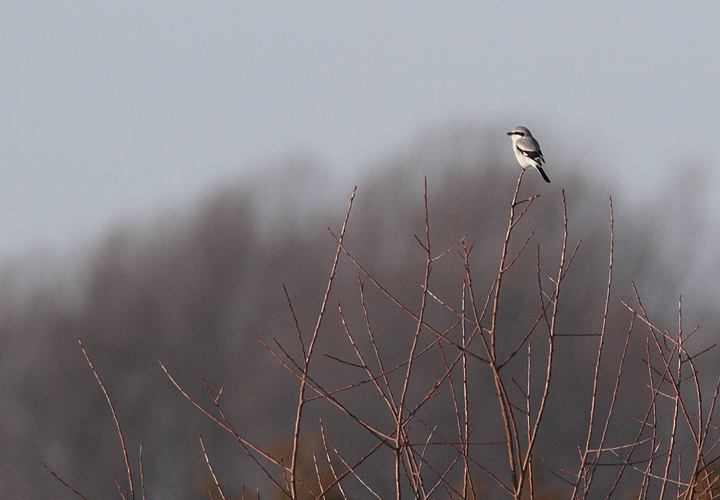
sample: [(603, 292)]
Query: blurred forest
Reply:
[(195, 287)]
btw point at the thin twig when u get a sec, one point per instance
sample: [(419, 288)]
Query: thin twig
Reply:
[(142, 474), (117, 422), (63, 482), (212, 472), (330, 464)]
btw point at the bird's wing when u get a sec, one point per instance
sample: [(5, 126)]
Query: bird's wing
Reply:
[(530, 149)]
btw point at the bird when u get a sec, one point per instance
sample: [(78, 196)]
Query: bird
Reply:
[(527, 150)]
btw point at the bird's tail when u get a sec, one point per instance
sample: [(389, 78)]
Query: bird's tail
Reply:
[(542, 172)]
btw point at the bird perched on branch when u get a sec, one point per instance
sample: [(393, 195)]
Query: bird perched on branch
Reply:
[(527, 150)]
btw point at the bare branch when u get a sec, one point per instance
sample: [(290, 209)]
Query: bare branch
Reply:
[(306, 367), (63, 482), (212, 472), (117, 422)]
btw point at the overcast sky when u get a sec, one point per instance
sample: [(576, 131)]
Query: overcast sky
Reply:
[(113, 109)]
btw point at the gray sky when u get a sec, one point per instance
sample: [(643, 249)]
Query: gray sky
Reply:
[(113, 109)]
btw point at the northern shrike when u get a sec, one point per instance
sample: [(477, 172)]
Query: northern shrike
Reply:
[(527, 150)]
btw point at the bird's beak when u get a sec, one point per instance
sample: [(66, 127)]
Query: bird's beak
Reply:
[(509, 133)]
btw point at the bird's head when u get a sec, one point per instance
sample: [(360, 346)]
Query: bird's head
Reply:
[(519, 132)]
